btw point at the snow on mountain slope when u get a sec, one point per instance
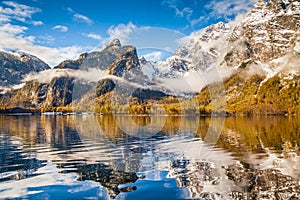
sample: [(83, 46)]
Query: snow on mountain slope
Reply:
[(268, 35), (201, 51), (14, 65)]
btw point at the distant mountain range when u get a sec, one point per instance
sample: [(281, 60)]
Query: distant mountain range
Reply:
[(256, 58), (14, 65)]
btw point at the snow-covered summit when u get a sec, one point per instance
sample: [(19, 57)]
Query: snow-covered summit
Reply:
[(199, 51)]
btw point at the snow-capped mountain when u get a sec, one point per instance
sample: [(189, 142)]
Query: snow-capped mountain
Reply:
[(14, 65), (268, 32), (201, 50), (263, 48), (261, 52)]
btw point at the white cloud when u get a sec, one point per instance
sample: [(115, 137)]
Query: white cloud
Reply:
[(193, 22), (30, 38), (90, 75), (143, 37), (214, 9), (12, 29), (20, 9), (154, 56), (45, 39), (185, 12), (37, 23), (13, 36), (227, 8), (60, 28), (170, 3), (71, 52), (3, 18), (121, 31), (81, 18), (70, 10), (93, 36), (52, 56), (18, 12)]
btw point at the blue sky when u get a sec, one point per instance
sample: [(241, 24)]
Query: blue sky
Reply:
[(58, 30)]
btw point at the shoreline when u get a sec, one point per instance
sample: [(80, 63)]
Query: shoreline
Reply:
[(141, 115)]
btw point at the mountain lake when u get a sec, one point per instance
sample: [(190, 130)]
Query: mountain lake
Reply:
[(149, 157)]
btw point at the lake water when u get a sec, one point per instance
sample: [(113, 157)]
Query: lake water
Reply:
[(149, 157)]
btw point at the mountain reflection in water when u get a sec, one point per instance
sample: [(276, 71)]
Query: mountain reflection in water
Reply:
[(162, 157)]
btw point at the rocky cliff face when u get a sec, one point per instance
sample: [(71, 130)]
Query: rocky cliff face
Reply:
[(37, 95), (124, 62), (13, 67), (270, 31), (59, 92)]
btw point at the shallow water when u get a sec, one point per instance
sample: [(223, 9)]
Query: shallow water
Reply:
[(142, 157)]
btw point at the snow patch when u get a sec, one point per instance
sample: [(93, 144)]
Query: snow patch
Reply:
[(269, 72), (148, 70), (297, 48)]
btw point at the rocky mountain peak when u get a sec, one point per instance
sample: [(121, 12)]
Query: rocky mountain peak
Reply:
[(98, 59), (282, 4), (115, 43), (127, 61), (143, 60), (83, 56), (214, 31), (201, 51), (290, 7)]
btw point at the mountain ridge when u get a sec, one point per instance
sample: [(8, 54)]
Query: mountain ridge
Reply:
[(14, 65)]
